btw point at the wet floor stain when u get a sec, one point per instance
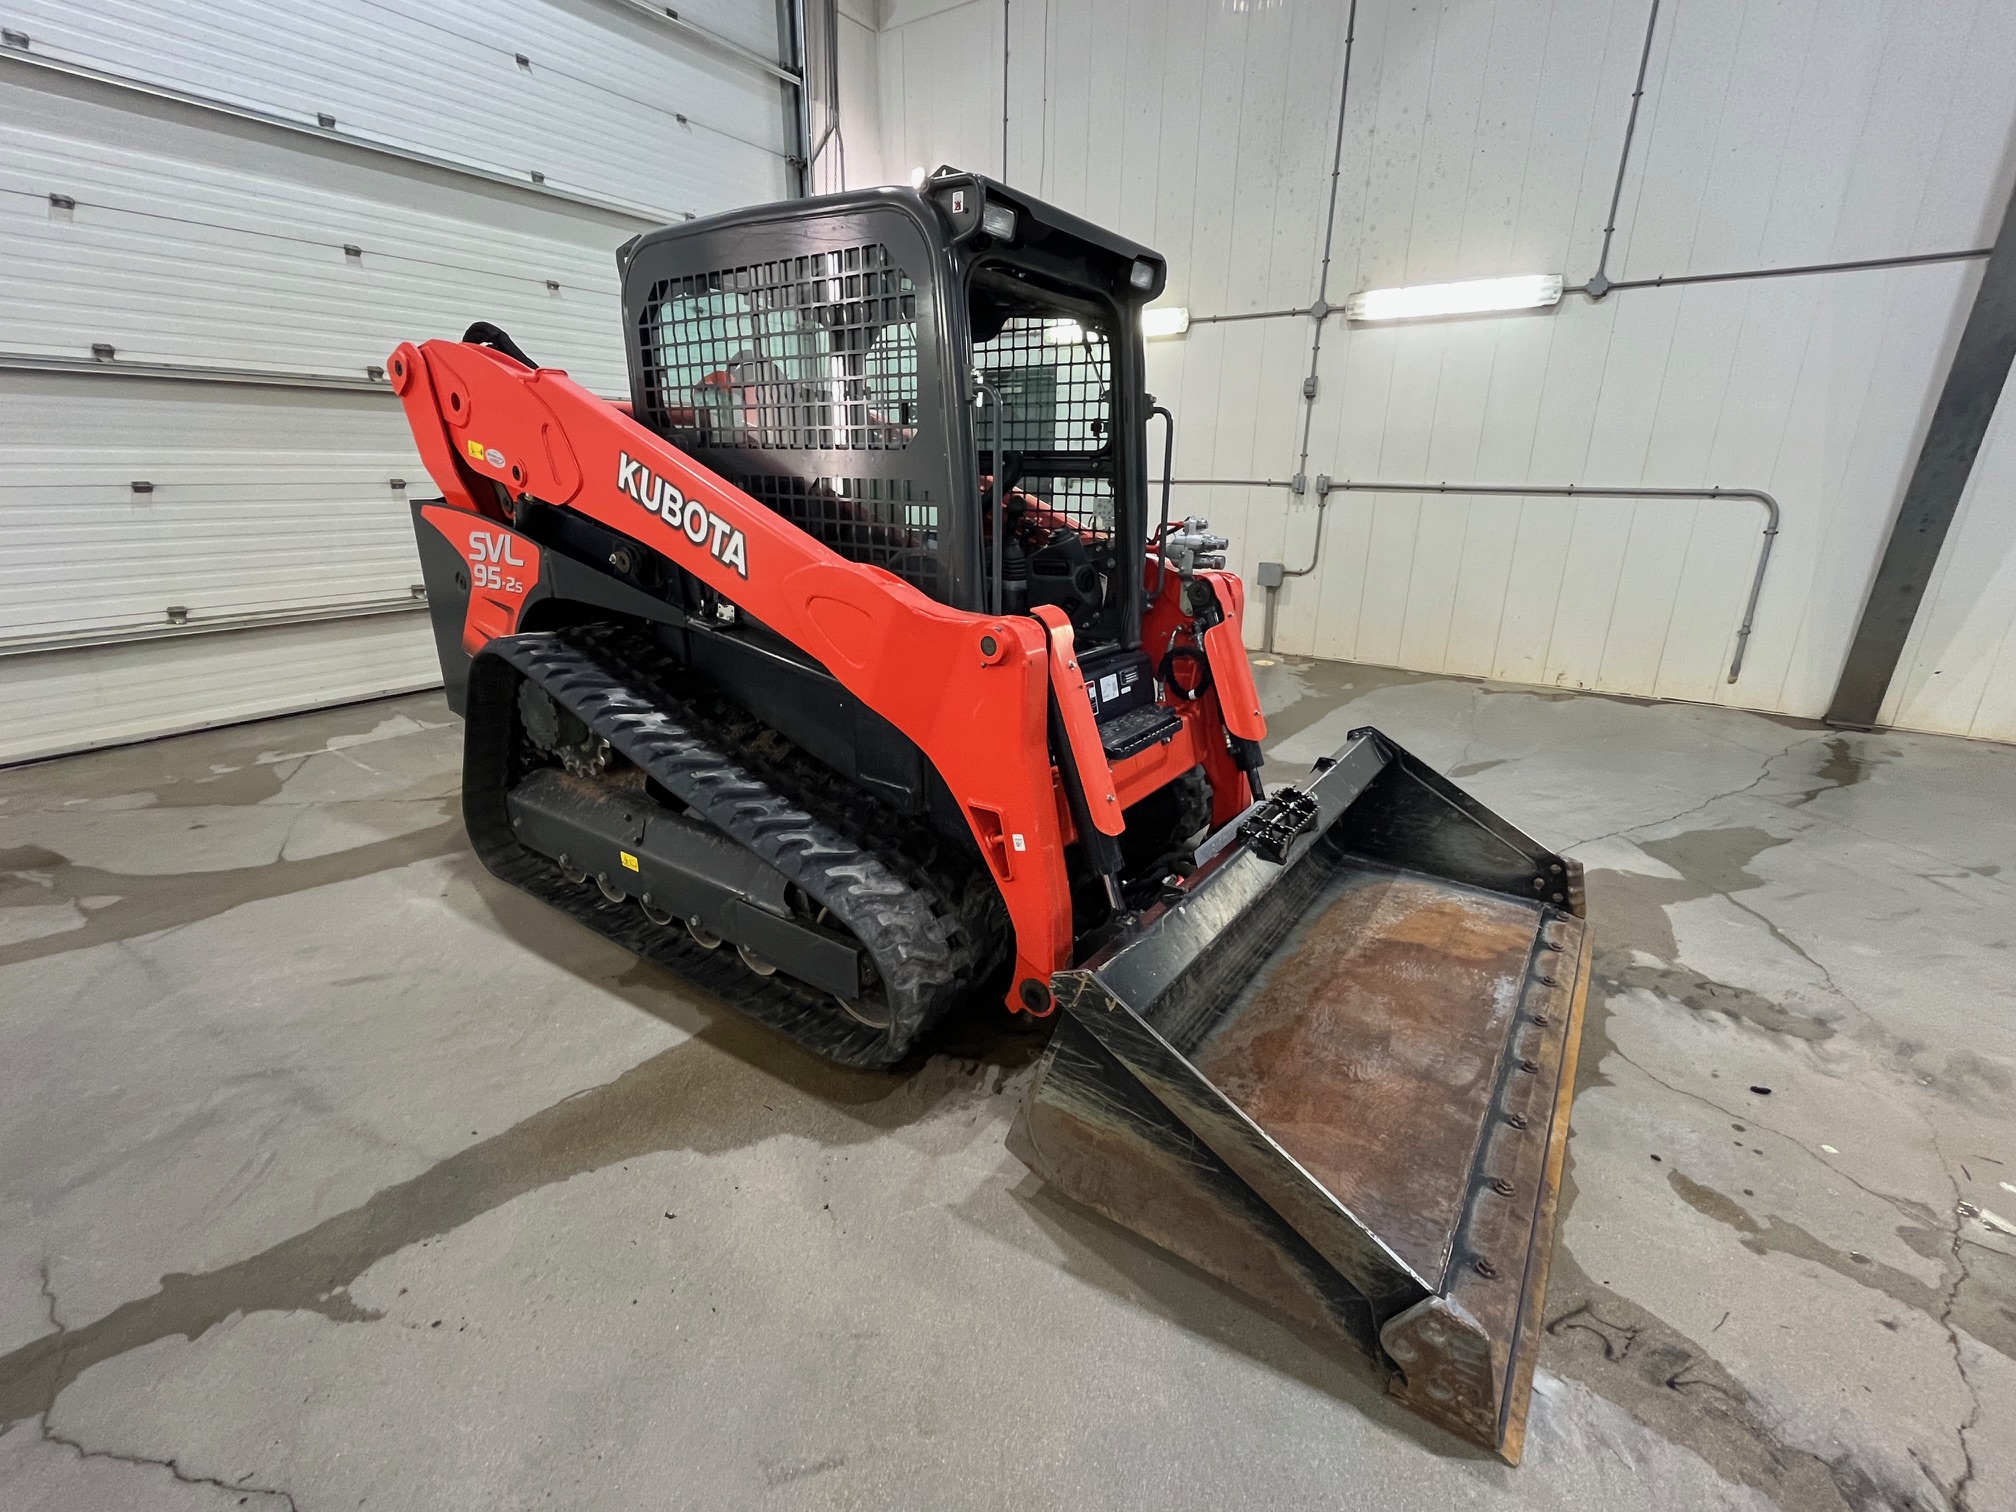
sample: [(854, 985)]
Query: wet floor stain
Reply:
[(1969, 1078), (1667, 1382), (1617, 972), (1842, 762), (1986, 1293), (1773, 1235), (731, 1086), (1319, 689), (1715, 860), (1556, 695), (144, 904), (1473, 768), (1636, 950), (239, 764), (1672, 1385), (1624, 1352)]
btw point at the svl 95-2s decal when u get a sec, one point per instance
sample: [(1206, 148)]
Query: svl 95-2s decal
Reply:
[(700, 525), (503, 570), (491, 552)]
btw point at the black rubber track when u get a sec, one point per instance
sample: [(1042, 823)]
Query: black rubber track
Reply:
[(929, 937)]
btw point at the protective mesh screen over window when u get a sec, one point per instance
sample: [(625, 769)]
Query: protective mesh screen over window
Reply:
[(887, 522), (812, 353), (1055, 379)]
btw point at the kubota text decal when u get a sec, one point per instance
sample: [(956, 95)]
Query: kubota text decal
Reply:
[(701, 526)]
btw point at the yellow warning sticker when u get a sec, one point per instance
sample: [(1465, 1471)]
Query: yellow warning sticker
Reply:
[(629, 861), (476, 450)]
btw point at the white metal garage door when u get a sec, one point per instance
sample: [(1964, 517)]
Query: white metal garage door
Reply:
[(215, 221)]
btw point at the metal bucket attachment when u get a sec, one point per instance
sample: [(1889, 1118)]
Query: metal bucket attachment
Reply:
[(1335, 1071)]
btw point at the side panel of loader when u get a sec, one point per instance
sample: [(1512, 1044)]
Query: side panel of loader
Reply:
[(968, 690)]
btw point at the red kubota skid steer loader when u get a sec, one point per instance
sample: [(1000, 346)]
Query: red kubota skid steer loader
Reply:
[(844, 672)]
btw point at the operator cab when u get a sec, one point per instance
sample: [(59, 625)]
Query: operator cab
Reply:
[(880, 366)]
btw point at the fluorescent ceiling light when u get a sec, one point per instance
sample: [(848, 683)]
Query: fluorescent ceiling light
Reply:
[(1156, 321), (1475, 296)]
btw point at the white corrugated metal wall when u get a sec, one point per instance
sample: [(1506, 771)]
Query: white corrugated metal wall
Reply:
[(1484, 139), (860, 62), (256, 190)]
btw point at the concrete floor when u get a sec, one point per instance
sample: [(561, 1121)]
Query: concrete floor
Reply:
[(333, 1173)]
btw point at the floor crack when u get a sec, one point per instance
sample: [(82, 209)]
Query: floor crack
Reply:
[(241, 1490), (1790, 944), (49, 1298), (1763, 773), (1885, 1040), (1735, 792), (1891, 840), (1470, 739), (1958, 1495)]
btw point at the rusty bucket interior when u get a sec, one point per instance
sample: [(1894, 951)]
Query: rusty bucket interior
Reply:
[(1335, 1069)]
